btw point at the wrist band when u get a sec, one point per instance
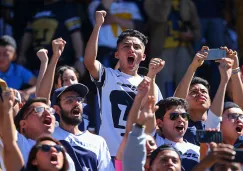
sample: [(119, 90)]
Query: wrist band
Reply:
[(235, 71), (81, 59)]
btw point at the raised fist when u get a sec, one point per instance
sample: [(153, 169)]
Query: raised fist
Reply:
[(42, 54), (100, 17), (58, 47)]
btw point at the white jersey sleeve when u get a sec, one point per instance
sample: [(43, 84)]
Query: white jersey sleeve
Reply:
[(1, 155), (213, 121)]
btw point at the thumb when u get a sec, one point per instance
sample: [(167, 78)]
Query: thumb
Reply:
[(212, 145)]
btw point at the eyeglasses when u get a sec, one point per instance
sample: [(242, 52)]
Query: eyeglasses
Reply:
[(174, 115), (40, 109), (235, 116), (72, 99), (47, 148)]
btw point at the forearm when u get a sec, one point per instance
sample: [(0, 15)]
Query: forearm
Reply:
[(9, 137), (25, 43), (218, 101), (30, 90), (47, 81), (77, 43), (133, 113), (183, 87), (203, 165), (91, 53), (40, 76), (237, 89)]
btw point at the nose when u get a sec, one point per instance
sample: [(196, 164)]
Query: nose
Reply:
[(69, 82), (169, 162), (53, 149), (131, 49)]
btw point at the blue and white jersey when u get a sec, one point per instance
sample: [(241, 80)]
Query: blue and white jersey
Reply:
[(190, 153), (116, 91), (88, 151)]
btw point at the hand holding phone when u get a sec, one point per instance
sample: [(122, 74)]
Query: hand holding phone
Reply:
[(204, 136), (215, 54), (3, 87)]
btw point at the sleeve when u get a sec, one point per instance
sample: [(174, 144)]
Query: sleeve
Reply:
[(26, 75), (213, 121), (134, 156), (105, 162), (160, 96), (72, 21), (1, 156), (70, 163), (102, 75)]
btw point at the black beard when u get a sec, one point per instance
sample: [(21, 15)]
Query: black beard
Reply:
[(68, 120)]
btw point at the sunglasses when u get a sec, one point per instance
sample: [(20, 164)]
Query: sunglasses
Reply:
[(235, 116), (40, 109), (174, 115), (72, 99), (47, 148)]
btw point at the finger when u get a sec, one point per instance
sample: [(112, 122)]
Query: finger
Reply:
[(204, 48)]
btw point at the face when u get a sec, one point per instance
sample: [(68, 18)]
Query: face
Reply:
[(130, 53), (174, 130), (166, 160), (71, 108), (36, 122), (232, 126), (198, 97), (150, 147), (51, 159), (7, 54), (68, 78), (231, 167)]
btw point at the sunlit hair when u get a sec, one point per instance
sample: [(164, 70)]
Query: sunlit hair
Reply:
[(34, 150)]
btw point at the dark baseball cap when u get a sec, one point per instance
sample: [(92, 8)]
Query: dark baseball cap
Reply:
[(8, 40), (81, 89)]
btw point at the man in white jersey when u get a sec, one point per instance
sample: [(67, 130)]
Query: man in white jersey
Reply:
[(172, 120), (116, 88), (88, 151)]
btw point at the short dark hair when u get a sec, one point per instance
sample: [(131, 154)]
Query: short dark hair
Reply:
[(132, 33), (199, 80), (8, 40), (162, 148), (20, 115), (168, 103), (34, 150)]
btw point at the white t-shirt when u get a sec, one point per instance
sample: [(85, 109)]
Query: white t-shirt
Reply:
[(108, 33), (213, 121), (88, 151), (25, 145), (116, 91), (190, 153)]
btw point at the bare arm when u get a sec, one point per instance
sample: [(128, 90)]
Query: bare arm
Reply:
[(47, 81), (25, 44), (42, 55), (92, 47), (11, 152), (155, 66), (225, 69), (183, 87)]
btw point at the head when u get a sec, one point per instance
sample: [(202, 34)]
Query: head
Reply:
[(227, 167), (198, 96), (69, 103), (65, 76), (47, 154), (35, 118), (172, 118), (232, 122), (150, 147), (165, 158), (7, 52), (130, 50)]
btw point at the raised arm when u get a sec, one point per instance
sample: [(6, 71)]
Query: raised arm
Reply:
[(42, 55), (11, 152), (92, 47), (143, 89), (225, 69), (183, 87), (47, 81), (155, 66)]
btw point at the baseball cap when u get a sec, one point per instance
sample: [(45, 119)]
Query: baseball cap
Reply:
[(81, 89), (8, 40)]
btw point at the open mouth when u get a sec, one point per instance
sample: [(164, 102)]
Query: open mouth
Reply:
[(239, 128), (47, 120), (130, 60), (54, 159), (76, 111), (179, 128)]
